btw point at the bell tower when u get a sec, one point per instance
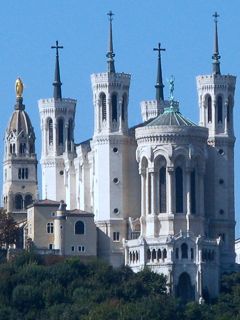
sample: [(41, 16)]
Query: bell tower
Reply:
[(110, 145), (57, 117), (20, 187), (216, 102)]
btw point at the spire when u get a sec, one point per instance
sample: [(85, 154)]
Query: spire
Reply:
[(216, 57), (57, 92), (159, 84), (110, 55)]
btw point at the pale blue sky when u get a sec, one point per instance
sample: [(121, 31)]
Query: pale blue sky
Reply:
[(184, 27)]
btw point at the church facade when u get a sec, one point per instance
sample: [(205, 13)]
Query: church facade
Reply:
[(161, 193)]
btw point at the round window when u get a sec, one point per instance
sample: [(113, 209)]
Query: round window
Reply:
[(115, 180), (115, 210), (61, 173)]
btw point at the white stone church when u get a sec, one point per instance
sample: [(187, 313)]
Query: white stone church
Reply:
[(160, 194)]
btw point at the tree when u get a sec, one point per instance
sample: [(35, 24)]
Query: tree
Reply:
[(8, 229)]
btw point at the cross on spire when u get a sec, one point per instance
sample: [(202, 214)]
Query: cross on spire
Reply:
[(110, 14), (159, 84), (57, 47), (216, 57), (57, 91), (216, 15), (110, 55)]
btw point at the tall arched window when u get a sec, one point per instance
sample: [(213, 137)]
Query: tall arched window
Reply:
[(162, 190), (18, 202), (184, 249), (219, 109), (209, 108), (79, 227), (123, 107), (50, 132), (179, 189), (193, 191), (28, 200), (114, 107), (60, 131), (70, 130), (22, 148), (103, 106)]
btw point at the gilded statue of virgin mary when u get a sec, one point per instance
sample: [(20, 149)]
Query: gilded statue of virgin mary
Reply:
[(19, 87)]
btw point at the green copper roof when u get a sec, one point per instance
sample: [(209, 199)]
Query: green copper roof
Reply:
[(171, 117)]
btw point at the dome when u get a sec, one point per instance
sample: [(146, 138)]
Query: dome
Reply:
[(20, 121), (172, 117)]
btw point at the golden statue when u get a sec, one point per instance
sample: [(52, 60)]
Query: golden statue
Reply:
[(19, 87)]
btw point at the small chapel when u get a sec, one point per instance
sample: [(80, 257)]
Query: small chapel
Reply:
[(157, 195)]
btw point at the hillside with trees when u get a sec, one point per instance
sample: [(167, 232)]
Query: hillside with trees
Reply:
[(31, 289)]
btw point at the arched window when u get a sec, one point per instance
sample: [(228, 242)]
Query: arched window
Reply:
[(177, 253), (154, 254), (209, 108), (79, 227), (28, 200), (103, 106), (22, 148), (123, 107), (162, 190), (193, 191), (148, 254), (179, 189), (130, 256), (18, 202), (60, 131), (114, 107), (184, 249), (159, 254), (192, 254), (70, 130), (11, 149), (164, 253), (50, 227), (219, 109), (50, 132)]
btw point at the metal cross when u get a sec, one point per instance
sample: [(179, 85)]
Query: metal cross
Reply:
[(110, 14), (215, 16), (57, 47), (159, 49)]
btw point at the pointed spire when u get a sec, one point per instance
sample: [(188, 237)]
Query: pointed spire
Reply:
[(159, 84), (57, 91), (216, 57), (110, 55)]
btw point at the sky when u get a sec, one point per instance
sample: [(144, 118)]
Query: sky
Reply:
[(29, 28)]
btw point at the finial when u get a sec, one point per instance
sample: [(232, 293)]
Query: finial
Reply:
[(171, 88), (19, 88), (57, 92), (110, 55), (216, 57), (159, 84)]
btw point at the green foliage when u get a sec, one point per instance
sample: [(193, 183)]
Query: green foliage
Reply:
[(8, 229), (73, 290)]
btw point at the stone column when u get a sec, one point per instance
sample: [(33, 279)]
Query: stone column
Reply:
[(200, 192), (153, 207), (214, 116), (55, 137), (188, 193), (170, 193), (147, 193)]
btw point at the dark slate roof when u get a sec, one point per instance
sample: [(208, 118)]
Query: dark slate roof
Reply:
[(19, 122), (171, 117)]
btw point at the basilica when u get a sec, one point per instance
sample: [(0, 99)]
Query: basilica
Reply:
[(160, 194)]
